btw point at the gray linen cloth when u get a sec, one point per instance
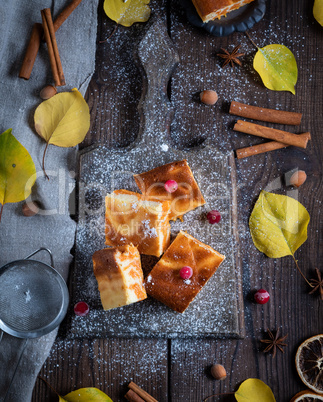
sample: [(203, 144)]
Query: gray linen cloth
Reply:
[(52, 228)]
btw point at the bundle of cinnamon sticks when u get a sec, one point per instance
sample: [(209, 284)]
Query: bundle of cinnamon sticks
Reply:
[(136, 394), (47, 31), (281, 139)]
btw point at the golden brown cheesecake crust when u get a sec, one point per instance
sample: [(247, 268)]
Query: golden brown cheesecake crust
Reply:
[(119, 276), (186, 198), (164, 282), (130, 219), (211, 9)]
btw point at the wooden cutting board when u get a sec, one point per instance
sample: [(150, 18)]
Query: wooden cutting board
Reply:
[(218, 309)]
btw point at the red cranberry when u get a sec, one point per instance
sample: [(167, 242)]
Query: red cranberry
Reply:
[(186, 272), (213, 217), (262, 296), (171, 186), (81, 308)]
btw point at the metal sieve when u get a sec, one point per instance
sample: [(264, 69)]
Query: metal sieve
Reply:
[(33, 300), (33, 297)]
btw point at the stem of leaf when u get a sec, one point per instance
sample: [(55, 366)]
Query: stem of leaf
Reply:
[(299, 270), (212, 396), (248, 36), (44, 162), (48, 385), (114, 29), (1, 212)]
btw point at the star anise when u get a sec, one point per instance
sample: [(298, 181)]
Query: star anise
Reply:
[(317, 283), (274, 342), (231, 57)]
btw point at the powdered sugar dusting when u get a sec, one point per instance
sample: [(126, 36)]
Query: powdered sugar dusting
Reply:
[(135, 358), (28, 296), (215, 310), (164, 147), (148, 231)]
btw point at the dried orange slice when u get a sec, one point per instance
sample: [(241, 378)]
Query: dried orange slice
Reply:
[(309, 363), (307, 396)]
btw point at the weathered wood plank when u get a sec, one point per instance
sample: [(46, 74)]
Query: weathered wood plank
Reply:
[(290, 307), (107, 364)]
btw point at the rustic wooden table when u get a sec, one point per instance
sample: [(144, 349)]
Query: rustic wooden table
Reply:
[(178, 370)]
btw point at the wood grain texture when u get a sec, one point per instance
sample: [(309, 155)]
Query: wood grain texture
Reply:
[(109, 365), (179, 370)]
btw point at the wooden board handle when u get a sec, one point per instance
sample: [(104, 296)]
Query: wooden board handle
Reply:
[(158, 59)]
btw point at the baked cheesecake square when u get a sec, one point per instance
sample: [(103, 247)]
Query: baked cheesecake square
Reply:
[(131, 219), (119, 276), (211, 9), (164, 282), (187, 196)]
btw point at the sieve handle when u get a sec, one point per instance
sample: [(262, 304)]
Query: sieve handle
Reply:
[(42, 249)]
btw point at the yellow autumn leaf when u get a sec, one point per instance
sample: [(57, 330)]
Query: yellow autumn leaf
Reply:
[(254, 390), (17, 170), (64, 119), (318, 11), (127, 12), (86, 395), (278, 224), (277, 67)]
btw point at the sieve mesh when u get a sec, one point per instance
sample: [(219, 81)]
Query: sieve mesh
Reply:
[(31, 296)]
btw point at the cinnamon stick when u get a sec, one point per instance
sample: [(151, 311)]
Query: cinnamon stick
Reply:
[(66, 13), (271, 133), (53, 53), (262, 148), (143, 394), (36, 36), (264, 114), (133, 397), (31, 52)]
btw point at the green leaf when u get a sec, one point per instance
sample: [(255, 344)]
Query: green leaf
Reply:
[(86, 395), (254, 390), (127, 12), (17, 170), (278, 224), (318, 11), (277, 67)]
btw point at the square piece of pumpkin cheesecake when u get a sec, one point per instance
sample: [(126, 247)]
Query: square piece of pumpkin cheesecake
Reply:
[(185, 197), (131, 219), (209, 10), (119, 276), (183, 270)]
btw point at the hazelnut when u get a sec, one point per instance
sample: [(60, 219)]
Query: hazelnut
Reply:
[(30, 208), (218, 372), (47, 92), (208, 97), (298, 178)]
